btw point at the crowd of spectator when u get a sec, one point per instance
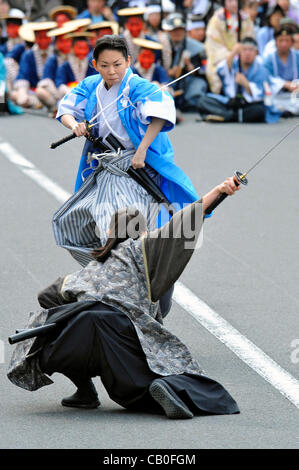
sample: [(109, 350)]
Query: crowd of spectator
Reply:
[(245, 53)]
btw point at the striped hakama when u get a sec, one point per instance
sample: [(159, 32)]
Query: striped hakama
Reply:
[(81, 224)]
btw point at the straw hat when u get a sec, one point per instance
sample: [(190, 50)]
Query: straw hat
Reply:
[(131, 11), (147, 44), (105, 24), (26, 32), (69, 10), (80, 34), (68, 27), (43, 25)]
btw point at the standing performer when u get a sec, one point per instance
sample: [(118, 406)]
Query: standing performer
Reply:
[(114, 307), (82, 222)]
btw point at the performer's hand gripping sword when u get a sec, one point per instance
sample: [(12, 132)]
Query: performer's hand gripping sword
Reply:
[(89, 125)]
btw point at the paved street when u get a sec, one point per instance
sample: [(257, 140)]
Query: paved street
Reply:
[(246, 271)]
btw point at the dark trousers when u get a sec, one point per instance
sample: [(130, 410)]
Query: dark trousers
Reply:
[(103, 342), (251, 112)]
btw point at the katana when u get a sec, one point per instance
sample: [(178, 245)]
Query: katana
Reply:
[(69, 137), (240, 178)]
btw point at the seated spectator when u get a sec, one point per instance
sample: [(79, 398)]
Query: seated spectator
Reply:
[(77, 67), (100, 30), (13, 21), (271, 45), (187, 54), (46, 89), (243, 81), (6, 106), (153, 30), (62, 14), (146, 66), (221, 37), (13, 58), (134, 26), (289, 10), (266, 33), (283, 67), (251, 8), (32, 66), (97, 11), (196, 28)]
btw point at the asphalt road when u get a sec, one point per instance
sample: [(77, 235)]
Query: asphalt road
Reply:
[(247, 271)]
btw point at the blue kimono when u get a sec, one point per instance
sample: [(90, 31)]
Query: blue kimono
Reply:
[(81, 102), (257, 76), (288, 71), (17, 52), (28, 69), (265, 34), (65, 74), (51, 67)]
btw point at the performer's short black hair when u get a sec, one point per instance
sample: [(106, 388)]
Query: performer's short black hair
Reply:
[(284, 31), (249, 40), (111, 42)]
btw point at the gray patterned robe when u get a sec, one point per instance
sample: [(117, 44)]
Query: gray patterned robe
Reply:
[(133, 279)]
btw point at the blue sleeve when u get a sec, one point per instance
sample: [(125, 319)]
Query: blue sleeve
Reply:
[(27, 70), (62, 75), (17, 52), (267, 62), (50, 68)]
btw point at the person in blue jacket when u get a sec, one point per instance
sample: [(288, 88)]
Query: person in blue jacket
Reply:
[(78, 66), (139, 115), (97, 11), (146, 65)]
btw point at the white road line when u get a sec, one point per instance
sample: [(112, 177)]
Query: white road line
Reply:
[(247, 351), (252, 355), (30, 170)]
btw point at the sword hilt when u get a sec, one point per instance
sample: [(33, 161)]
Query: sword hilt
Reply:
[(240, 178)]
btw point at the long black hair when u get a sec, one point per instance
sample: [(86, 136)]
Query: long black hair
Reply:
[(125, 223)]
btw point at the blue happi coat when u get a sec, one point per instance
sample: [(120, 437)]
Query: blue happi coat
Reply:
[(81, 102)]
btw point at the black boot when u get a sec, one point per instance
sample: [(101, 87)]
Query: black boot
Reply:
[(85, 397)]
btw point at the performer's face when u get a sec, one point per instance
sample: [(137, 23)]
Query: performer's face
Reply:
[(42, 40), (12, 30), (61, 18), (198, 34), (64, 45), (284, 44), (146, 58), (248, 54), (112, 66), (275, 20), (134, 25), (231, 6), (81, 49), (154, 19)]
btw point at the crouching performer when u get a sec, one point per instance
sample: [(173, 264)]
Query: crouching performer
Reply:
[(113, 304)]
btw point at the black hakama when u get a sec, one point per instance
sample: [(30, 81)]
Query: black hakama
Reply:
[(102, 341)]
